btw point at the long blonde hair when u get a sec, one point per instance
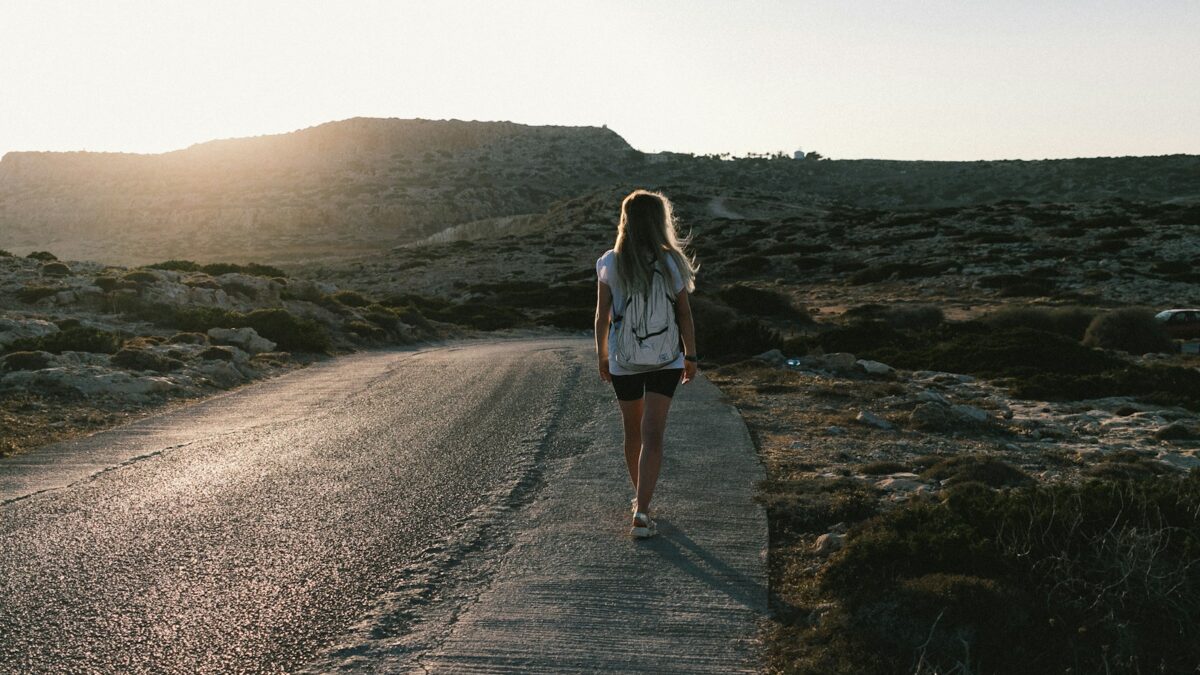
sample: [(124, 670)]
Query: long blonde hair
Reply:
[(646, 235)]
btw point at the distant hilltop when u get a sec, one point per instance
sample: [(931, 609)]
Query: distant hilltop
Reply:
[(356, 183), (359, 185), (354, 143)]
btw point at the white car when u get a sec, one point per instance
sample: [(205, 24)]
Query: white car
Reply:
[(1181, 324)]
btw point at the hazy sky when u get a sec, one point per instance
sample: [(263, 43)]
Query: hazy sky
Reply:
[(899, 79)]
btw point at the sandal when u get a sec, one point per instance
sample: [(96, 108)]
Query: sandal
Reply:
[(643, 527)]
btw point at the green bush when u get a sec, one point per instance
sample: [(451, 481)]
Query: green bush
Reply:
[(1132, 329), (44, 256), (141, 359), (351, 299), (877, 273), (579, 318), (217, 354), (32, 294), (107, 284), (255, 269), (140, 276), (366, 330), (55, 269), (481, 315), (721, 333), (881, 468), (23, 360), (190, 338), (970, 468), (176, 266), (748, 265), (898, 316), (1094, 577), (78, 339), (290, 332), (6, 254), (1070, 322), (762, 302)]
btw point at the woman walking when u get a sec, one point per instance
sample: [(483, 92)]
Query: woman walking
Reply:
[(645, 339)]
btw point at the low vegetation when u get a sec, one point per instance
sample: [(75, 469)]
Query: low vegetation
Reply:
[(1032, 363), (71, 339), (288, 331), (216, 269), (1095, 577)]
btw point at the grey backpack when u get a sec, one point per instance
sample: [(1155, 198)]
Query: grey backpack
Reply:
[(646, 336)]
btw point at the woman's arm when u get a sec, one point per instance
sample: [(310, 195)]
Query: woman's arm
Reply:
[(687, 331), (603, 306)]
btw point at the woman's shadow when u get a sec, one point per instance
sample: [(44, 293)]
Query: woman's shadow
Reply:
[(678, 549)]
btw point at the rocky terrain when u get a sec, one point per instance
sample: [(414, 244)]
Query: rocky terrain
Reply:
[(85, 345)]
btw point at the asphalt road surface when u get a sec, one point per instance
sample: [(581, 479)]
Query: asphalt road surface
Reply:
[(361, 514)]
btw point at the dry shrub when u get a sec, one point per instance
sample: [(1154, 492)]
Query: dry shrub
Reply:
[(1132, 329)]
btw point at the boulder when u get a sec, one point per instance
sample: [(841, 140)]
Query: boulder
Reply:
[(773, 357), (970, 412), (875, 367), (222, 374), (12, 330), (828, 543), (871, 419), (247, 338), (839, 361), (901, 484), (90, 381)]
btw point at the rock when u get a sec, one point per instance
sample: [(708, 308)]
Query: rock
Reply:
[(773, 357), (27, 360), (871, 419), (839, 361), (1177, 432), (934, 417), (901, 484), (12, 330), (933, 397), (875, 367), (829, 543), (223, 374), (90, 381), (834, 430), (970, 412), (247, 338), (1180, 461)]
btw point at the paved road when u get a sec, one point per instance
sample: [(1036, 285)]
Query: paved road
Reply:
[(459, 508)]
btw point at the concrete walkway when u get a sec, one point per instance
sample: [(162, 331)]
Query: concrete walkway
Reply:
[(576, 594)]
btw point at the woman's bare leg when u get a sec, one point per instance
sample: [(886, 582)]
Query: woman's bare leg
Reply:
[(631, 417), (654, 425)]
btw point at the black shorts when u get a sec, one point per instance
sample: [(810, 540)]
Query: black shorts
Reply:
[(632, 387)]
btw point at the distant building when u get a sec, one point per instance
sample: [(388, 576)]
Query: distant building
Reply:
[(799, 154)]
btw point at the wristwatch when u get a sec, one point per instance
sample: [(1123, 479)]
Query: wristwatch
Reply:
[(691, 357)]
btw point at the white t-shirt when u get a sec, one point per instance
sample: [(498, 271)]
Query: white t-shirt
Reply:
[(606, 271)]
